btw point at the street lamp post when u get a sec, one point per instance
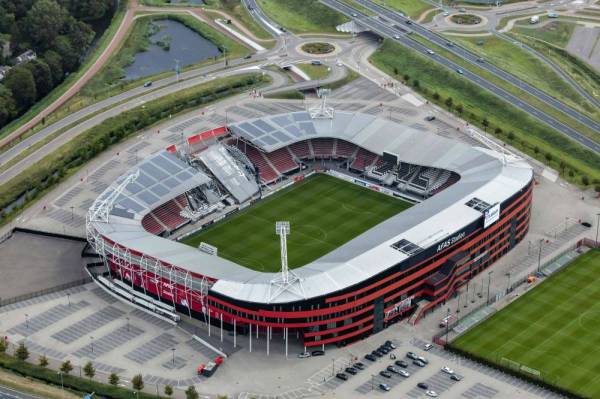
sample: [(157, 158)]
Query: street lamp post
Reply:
[(92, 344), (447, 323), (26, 320), (127, 318), (332, 367), (540, 255), (489, 282), (508, 282), (173, 350), (62, 385), (69, 299)]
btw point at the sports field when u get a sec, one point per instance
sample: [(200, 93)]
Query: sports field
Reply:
[(554, 328), (324, 213)]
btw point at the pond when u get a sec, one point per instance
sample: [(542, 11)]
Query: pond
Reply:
[(170, 41)]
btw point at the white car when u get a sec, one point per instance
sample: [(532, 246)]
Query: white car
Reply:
[(404, 373), (397, 37), (303, 355), (446, 13), (421, 358), (431, 394), (447, 370), (432, 53), (428, 346)]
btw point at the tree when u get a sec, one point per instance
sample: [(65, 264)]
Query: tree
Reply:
[(22, 353), (79, 33), (416, 83), (89, 370), (168, 390), (66, 367), (3, 345), (88, 10), (486, 123), (8, 106), (113, 379), (137, 382), (459, 109), (549, 156), (22, 85), (511, 135), (585, 180), (436, 95), (536, 149), (498, 130), (43, 361), (406, 77), (54, 62), (396, 72), (191, 393), (64, 48), (41, 75), (44, 22), (449, 102)]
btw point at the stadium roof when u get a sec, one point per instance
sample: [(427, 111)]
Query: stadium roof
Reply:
[(485, 175)]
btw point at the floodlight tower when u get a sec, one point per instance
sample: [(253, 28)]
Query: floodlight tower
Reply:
[(322, 111), (283, 229), (286, 280)]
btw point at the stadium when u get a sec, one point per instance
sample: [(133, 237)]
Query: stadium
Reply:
[(321, 225)]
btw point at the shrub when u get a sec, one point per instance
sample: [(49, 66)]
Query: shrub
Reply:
[(137, 382), (89, 370), (22, 353), (168, 390), (191, 393), (113, 379), (43, 361), (66, 367)]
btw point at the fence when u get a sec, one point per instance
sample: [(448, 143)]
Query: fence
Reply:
[(24, 297)]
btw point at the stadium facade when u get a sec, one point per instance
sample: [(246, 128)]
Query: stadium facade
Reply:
[(472, 206)]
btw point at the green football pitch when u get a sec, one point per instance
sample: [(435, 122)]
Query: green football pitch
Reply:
[(324, 213), (554, 328)]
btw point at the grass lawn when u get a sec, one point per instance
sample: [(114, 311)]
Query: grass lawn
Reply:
[(324, 213), (315, 72), (514, 59), (307, 16), (237, 10), (555, 32), (411, 8), (553, 329), (527, 134)]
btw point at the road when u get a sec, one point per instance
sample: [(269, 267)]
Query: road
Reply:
[(473, 59), (391, 30), (8, 393)]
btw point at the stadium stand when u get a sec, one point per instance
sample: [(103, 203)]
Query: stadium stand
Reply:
[(266, 172), (344, 149), (152, 225), (363, 159), (168, 213), (283, 160), (301, 149), (323, 148)]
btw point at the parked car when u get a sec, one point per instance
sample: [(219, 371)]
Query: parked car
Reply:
[(392, 369), (411, 355), (430, 118), (384, 387), (447, 370), (422, 385), (377, 353), (350, 370), (421, 358), (359, 365), (303, 355), (390, 344), (370, 357), (404, 373), (431, 394), (419, 363), (427, 347), (456, 377), (401, 363), (385, 374), (342, 376), (318, 353)]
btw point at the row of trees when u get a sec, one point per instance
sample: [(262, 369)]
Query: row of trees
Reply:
[(59, 31), (137, 382)]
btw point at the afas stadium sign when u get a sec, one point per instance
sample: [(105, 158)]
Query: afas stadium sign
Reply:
[(450, 241)]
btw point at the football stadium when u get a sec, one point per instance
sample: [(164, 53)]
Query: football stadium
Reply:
[(319, 225)]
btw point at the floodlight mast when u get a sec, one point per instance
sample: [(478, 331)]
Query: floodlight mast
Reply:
[(322, 111), (286, 280), (283, 229)]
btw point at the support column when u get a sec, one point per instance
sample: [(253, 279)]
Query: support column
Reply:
[(221, 317), (286, 342), (234, 335), (209, 322), (268, 333), (250, 336)]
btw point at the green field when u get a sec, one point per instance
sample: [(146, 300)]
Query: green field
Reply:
[(411, 8), (554, 328), (308, 16), (324, 213)]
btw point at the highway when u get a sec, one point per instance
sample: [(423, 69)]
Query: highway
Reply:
[(391, 30), (9, 393), (473, 59)]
